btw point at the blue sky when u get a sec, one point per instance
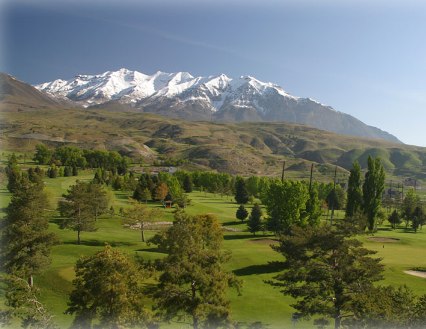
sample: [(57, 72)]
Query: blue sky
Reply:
[(365, 58)]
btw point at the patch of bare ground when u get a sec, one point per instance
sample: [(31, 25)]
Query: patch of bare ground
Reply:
[(420, 274), (382, 239)]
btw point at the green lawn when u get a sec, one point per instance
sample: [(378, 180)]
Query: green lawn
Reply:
[(250, 256)]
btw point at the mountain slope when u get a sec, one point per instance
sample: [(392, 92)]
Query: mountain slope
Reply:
[(15, 92), (214, 98)]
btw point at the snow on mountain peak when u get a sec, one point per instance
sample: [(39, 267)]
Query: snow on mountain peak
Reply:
[(129, 86)]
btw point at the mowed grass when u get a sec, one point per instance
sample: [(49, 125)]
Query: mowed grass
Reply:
[(250, 260)]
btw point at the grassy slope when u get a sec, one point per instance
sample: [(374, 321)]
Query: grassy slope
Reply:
[(246, 148), (250, 257)]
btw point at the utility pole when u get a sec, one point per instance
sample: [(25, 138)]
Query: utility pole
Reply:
[(334, 195), (282, 174), (310, 179)]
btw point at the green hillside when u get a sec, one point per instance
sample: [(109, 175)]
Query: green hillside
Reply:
[(245, 148)]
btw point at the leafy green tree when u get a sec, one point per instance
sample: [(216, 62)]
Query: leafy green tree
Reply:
[(194, 282), (42, 154), (99, 199), (255, 220), (411, 201), (418, 218), (336, 198), (394, 219), (241, 193), (161, 191), (108, 288), (372, 191), (138, 215), (313, 207), (241, 213), (354, 202), (77, 209), (25, 240), (325, 269), (285, 204)]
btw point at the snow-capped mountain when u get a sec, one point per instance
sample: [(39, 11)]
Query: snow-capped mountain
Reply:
[(206, 98)]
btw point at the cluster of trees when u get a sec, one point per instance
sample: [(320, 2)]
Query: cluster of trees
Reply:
[(411, 212), (126, 182), (109, 288), (74, 157), (162, 187), (364, 199)]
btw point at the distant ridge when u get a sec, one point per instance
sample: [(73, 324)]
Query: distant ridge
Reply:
[(214, 98)]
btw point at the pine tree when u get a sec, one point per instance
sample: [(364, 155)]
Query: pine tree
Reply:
[(187, 183), (241, 213), (25, 239), (194, 281), (255, 220), (108, 288), (241, 193)]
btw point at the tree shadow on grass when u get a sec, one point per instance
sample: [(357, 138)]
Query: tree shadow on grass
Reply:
[(247, 236), (97, 243), (234, 223), (270, 267), (156, 250), (253, 325)]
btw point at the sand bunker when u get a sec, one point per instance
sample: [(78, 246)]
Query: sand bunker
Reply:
[(420, 274), (382, 239)]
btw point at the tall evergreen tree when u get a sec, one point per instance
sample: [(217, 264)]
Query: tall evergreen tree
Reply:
[(372, 190), (187, 183), (255, 220), (241, 213), (325, 270), (194, 281), (25, 239), (241, 193), (354, 202)]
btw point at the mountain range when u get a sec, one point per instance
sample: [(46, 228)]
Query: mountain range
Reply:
[(214, 98), (29, 117)]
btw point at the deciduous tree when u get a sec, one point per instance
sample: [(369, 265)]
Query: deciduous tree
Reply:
[(354, 202), (372, 191), (285, 203), (77, 209), (138, 215)]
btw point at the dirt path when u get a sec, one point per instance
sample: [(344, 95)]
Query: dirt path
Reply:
[(420, 274)]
